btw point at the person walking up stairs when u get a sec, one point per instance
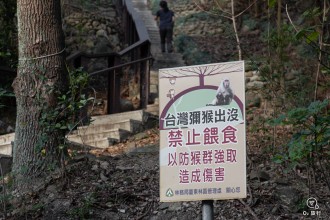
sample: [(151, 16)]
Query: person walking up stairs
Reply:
[(165, 16)]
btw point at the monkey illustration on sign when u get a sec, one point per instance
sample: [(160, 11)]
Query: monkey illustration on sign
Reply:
[(224, 94)]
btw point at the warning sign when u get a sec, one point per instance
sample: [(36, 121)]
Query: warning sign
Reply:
[(202, 130)]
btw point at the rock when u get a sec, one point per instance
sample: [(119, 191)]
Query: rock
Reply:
[(289, 198), (102, 46), (87, 26), (102, 26), (104, 165), (103, 178), (164, 205), (89, 43), (248, 74), (122, 210), (109, 204), (95, 24), (57, 208), (255, 78), (140, 136), (255, 85), (115, 40), (91, 32), (175, 206), (131, 147), (95, 167), (102, 33)]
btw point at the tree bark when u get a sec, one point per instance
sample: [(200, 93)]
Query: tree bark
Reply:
[(41, 73)]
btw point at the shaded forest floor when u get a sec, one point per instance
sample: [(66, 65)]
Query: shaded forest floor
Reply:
[(122, 182)]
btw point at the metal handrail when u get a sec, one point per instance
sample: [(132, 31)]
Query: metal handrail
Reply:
[(120, 66)]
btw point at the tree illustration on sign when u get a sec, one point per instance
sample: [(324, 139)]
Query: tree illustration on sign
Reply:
[(201, 71)]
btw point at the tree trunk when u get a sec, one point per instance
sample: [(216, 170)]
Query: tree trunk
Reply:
[(41, 73)]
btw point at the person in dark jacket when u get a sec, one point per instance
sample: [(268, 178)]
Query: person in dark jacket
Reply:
[(166, 25)]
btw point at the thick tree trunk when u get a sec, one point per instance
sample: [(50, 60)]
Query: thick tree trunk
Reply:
[(41, 72)]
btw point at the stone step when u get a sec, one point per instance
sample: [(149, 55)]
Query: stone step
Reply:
[(6, 149), (153, 109), (113, 135), (103, 143), (154, 88), (154, 73), (7, 138), (154, 81), (137, 115), (6, 143), (167, 64), (130, 125)]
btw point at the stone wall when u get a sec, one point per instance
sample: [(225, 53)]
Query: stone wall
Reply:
[(96, 30)]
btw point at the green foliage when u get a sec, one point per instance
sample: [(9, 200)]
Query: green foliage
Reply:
[(66, 115), (191, 53), (283, 40), (312, 136), (284, 77), (272, 3)]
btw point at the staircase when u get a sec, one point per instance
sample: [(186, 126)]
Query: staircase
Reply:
[(161, 60), (107, 130)]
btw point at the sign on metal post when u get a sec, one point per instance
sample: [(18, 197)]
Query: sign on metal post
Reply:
[(202, 132)]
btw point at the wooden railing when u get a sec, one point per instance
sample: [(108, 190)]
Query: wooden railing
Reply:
[(135, 58)]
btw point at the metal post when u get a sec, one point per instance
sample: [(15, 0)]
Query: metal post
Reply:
[(207, 210)]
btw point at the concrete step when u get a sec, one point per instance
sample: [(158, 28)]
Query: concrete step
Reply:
[(165, 57), (6, 149), (7, 138), (128, 124), (153, 81), (106, 130), (103, 143), (153, 109), (137, 115), (154, 88), (117, 137), (98, 139), (6, 143), (154, 73)]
